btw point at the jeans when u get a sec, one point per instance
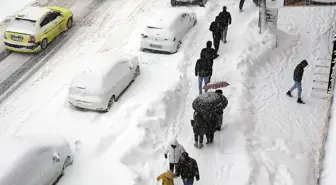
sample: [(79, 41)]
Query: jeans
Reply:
[(200, 83), (297, 85), (200, 138), (224, 33), (241, 4), (188, 181)]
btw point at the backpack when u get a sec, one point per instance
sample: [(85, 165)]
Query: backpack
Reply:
[(212, 27)]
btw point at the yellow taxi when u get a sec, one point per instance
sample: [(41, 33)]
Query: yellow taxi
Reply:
[(35, 27)]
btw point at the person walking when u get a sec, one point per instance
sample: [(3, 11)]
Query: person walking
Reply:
[(188, 169), (209, 54), (199, 129), (220, 111), (167, 178), (216, 29), (225, 21), (203, 69), (211, 120), (297, 77), (174, 150)]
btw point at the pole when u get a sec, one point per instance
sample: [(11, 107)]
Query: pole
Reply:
[(262, 16), (332, 66)]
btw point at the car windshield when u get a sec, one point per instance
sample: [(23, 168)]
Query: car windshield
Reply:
[(23, 24)]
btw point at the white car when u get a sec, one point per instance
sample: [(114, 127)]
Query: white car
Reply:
[(178, 2), (33, 159), (166, 30), (99, 85)]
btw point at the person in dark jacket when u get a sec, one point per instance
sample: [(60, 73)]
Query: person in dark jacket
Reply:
[(220, 113), (198, 125), (297, 77), (188, 169), (209, 54), (216, 29), (203, 69), (211, 121), (225, 20)]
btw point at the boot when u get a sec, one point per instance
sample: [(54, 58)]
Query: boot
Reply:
[(196, 145), (300, 101), (289, 94), (201, 145)]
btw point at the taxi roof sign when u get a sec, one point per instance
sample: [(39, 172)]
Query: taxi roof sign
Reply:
[(20, 15)]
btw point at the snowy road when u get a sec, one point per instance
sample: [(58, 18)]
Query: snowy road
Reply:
[(17, 68)]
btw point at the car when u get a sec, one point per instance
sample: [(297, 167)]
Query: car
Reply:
[(166, 29), (178, 2), (99, 84), (33, 29), (33, 159)]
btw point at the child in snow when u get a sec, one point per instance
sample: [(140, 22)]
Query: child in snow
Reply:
[(167, 178)]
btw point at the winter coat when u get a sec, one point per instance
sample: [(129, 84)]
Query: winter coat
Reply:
[(203, 67), (188, 168), (216, 29), (174, 153), (298, 72), (225, 18), (167, 178), (209, 54), (199, 125)]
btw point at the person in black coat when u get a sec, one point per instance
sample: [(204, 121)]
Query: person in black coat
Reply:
[(203, 69), (209, 54), (198, 125), (220, 113), (297, 77), (188, 169), (225, 20), (216, 28)]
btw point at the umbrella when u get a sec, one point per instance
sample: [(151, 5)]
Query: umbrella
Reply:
[(216, 85), (210, 102)]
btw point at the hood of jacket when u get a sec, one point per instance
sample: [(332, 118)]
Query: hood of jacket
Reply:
[(304, 63), (174, 142)]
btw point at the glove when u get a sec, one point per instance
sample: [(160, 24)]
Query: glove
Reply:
[(216, 55), (196, 74), (177, 175), (197, 177), (165, 155)]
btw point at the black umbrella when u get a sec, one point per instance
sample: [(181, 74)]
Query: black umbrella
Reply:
[(210, 102)]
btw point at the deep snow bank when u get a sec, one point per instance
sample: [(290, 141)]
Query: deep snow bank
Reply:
[(329, 163)]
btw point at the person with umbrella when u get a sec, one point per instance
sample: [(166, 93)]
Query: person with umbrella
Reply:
[(199, 129), (208, 105)]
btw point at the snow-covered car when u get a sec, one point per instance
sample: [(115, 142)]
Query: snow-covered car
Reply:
[(35, 27), (99, 85), (166, 29), (35, 159), (178, 2)]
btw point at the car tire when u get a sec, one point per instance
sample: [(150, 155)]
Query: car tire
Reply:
[(44, 44), (69, 23), (109, 105), (137, 72), (66, 163), (173, 2)]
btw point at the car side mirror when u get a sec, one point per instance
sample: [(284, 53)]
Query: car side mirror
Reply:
[(56, 158)]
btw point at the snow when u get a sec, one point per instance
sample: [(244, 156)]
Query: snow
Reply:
[(164, 18), (33, 13), (267, 138), (13, 6), (22, 26)]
